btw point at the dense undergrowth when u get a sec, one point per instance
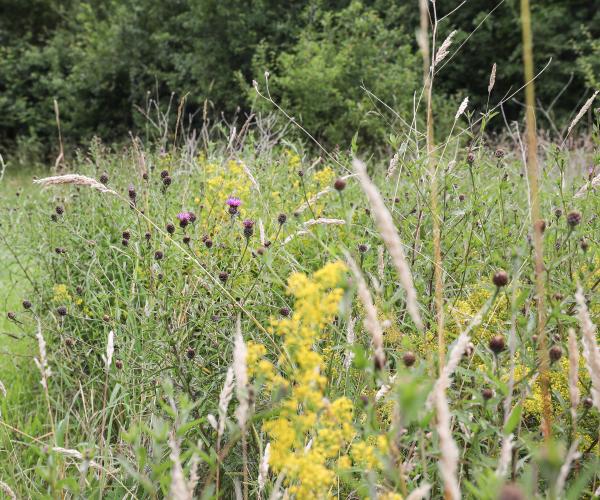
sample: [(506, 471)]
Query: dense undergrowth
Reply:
[(206, 311)]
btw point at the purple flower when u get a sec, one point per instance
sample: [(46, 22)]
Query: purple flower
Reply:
[(233, 204), (186, 218)]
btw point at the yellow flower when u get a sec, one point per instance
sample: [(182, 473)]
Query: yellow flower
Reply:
[(61, 293)]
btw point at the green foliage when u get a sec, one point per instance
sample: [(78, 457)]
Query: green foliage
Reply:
[(319, 80)]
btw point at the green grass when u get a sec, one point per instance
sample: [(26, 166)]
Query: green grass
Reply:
[(174, 320)]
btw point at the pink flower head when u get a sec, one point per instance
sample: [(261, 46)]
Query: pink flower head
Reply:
[(186, 218), (233, 202)]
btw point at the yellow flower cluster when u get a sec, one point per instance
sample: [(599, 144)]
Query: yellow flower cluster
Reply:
[(223, 181), (309, 431), (61, 293)]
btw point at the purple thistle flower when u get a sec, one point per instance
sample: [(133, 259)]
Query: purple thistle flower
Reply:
[(184, 218), (233, 204)]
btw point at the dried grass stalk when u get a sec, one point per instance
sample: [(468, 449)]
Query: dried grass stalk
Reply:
[(78, 180), (320, 194), (574, 395), (179, 489), (350, 338), (263, 468), (224, 399), (462, 108), (7, 490), (505, 456), (420, 493), (492, 79), (594, 183), (110, 349), (572, 455), (444, 48), (448, 448), (371, 322), (582, 112), (385, 225), (590, 347)]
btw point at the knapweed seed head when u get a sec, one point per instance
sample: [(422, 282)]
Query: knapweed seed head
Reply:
[(500, 278), (126, 235), (223, 276), (59, 210), (164, 174), (186, 240), (190, 353), (555, 353), (26, 304), (409, 358), (11, 315), (167, 181), (158, 255), (131, 192), (282, 218), (61, 311), (470, 157), (104, 178), (339, 184), (118, 364), (170, 228), (147, 236), (497, 344), (363, 248), (487, 394), (499, 153), (248, 228), (574, 218)]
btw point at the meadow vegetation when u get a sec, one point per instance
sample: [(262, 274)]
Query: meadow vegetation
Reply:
[(232, 312)]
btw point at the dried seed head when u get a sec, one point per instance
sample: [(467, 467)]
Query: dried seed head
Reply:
[(555, 353), (588, 403), (186, 240), (147, 236), (118, 364), (69, 342), (362, 248), (223, 276), (461, 197), (59, 210), (190, 353), (11, 315), (158, 255), (470, 157), (339, 184), (106, 318), (126, 235), (61, 311), (164, 174), (167, 181), (248, 228), (124, 242), (170, 228), (284, 311), (500, 279), (26, 304), (584, 244), (104, 178), (409, 359), (558, 213), (487, 393), (131, 192), (208, 243), (499, 153), (282, 218), (497, 344), (574, 218)]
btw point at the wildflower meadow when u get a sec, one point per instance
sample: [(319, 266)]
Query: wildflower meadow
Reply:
[(243, 312)]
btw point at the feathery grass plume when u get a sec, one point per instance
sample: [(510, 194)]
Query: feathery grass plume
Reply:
[(505, 456), (263, 468), (350, 338), (387, 230), (42, 361), (7, 490), (261, 231), (594, 183), (67, 452), (582, 112), (444, 48), (591, 353), (384, 389), (535, 217), (574, 395), (110, 350), (240, 370), (420, 493), (380, 263), (78, 180), (249, 174), (492, 79), (2, 389), (462, 108), (313, 222), (572, 455), (371, 322), (448, 448), (179, 489), (224, 399)]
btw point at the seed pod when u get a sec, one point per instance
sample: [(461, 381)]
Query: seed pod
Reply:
[(61, 311), (555, 353), (500, 279), (487, 394), (574, 218), (339, 184), (281, 218), (409, 359), (26, 304), (497, 344)]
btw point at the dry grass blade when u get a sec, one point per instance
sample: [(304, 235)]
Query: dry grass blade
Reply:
[(594, 183), (78, 180), (224, 399), (590, 346), (387, 230), (263, 469), (350, 338), (448, 448), (582, 112), (574, 395), (7, 490), (179, 489), (371, 322), (421, 492)]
